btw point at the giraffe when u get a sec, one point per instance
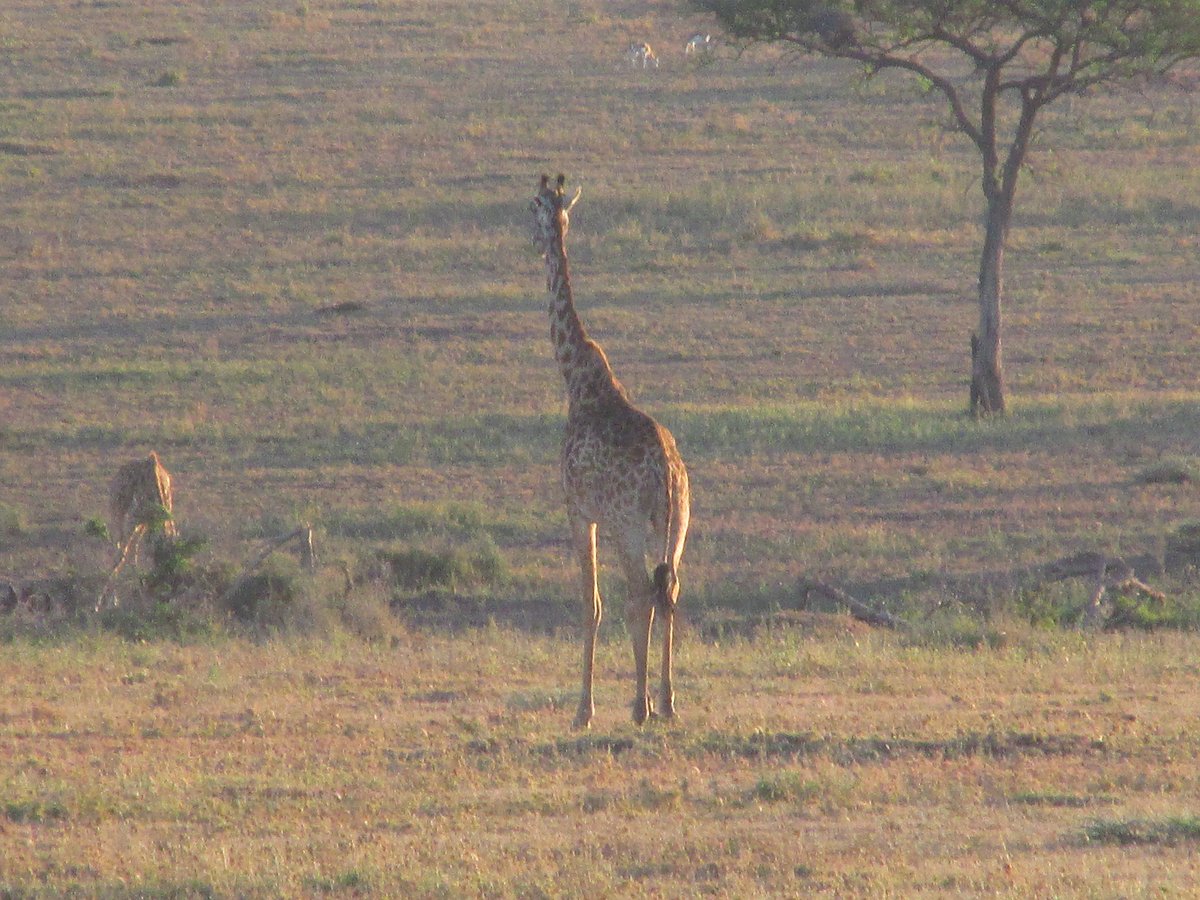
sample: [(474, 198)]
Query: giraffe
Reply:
[(621, 472), (138, 490)]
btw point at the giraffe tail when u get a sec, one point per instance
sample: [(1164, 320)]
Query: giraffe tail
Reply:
[(674, 529), (666, 588)]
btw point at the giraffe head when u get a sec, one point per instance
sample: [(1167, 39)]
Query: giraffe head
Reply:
[(551, 211)]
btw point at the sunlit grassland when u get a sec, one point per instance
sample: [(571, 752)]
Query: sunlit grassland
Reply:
[(286, 247), (850, 765)]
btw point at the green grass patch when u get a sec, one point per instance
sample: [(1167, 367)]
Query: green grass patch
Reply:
[(792, 787), (1132, 832), (12, 521), (1168, 471), (389, 522), (1057, 800), (419, 569), (35, 812)]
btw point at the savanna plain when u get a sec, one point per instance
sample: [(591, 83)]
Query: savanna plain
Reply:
[(285, 245)]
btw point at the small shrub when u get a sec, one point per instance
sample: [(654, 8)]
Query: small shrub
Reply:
[(1147, 613), (173, 564), (170, 78), (362, 608), (352, 882), (1059, 605), (35, 811), (954, 627), (1168, 471), (1055, 799), (409, 521), (1182, 549), (12, 521), (96, 527), (279, 598), (156, 518)]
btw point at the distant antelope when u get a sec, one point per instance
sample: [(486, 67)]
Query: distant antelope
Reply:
[(698, 43), (641, 52)]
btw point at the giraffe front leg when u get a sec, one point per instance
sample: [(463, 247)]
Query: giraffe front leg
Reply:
[(591, 627), (584, 534)]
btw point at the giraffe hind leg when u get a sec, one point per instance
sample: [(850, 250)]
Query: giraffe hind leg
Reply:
[(667, 689), (639, 616), (666, 593)]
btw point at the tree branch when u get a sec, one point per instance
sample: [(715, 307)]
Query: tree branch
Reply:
[(879, 61)]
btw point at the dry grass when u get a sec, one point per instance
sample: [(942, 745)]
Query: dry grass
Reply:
[(285, 246), (848, 765)]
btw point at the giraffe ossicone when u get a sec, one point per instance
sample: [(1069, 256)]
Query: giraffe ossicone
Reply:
[(621, 472)]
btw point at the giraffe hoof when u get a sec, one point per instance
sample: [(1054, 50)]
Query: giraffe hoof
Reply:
[(642, 711)]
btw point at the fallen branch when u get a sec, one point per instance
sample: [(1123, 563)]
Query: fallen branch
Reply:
[(858, 609)]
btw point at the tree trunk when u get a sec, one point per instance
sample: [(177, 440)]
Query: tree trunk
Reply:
[(987, 370)]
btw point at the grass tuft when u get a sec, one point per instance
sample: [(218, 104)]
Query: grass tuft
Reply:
[(417, 569), (793, 787), (12, 521), (1175, 470), (1128, 832), (35, 812), (169, 78)]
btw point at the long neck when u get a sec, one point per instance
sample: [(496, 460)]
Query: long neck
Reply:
[(583, 364), (566, 330)]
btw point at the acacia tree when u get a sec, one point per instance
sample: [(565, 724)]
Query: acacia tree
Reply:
[(1019, 55)]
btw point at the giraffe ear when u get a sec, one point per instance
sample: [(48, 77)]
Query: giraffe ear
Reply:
[(545, 181)]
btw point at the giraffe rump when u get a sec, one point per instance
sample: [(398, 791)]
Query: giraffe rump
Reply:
[(140, 493)]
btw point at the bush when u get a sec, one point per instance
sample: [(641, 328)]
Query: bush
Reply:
[(954, 627), (97, 528), (169, 78), (1183, 548), (361, 607), (279, 598), (173, 566), (1058, 605)]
